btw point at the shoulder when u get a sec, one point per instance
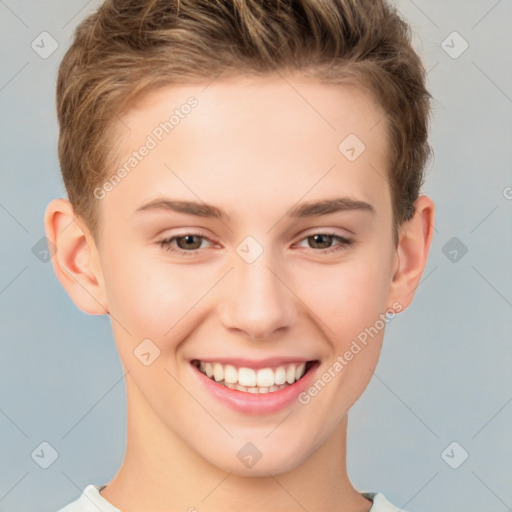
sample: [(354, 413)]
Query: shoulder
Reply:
[(90, 501), (380, 503)]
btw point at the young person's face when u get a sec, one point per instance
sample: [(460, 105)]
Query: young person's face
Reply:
[(255, 288)]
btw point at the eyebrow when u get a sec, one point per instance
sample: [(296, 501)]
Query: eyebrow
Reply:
[(311, 209)]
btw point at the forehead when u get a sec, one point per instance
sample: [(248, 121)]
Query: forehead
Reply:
[(253, 140), (253, 102)]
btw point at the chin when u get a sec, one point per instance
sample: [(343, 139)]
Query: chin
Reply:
[(258, 459)]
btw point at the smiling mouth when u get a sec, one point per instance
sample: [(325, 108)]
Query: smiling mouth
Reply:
[(258, 381)]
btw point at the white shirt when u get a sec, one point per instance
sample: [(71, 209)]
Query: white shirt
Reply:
[(92, 501)]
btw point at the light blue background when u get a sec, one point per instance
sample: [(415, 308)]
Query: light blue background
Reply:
[(445, 372)]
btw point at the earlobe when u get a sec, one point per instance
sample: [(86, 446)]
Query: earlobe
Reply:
[(76, 260), (412, 252)]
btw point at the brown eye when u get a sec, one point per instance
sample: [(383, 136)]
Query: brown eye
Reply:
[(324, 243), (189, 242), (320, 241)]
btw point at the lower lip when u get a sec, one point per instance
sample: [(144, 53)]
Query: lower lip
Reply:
[(257, 403)]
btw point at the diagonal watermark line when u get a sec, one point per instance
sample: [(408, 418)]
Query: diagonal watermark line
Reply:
[(14, 76), (14, 218), (200, 404), (182, 181), (432, 68), (485, 485), (14, 485), (305, 100), (287, 492), (410, 409), (14, 423), (493, 287), (13, 13), (300, 299), (485, 218), (424, 279), (81, 490), (280, 423), (487, 423), (424, 14), (486, 14), (492, 81), (196, 303), (380, 174), (378, 122), (13, 279), (312, 187), (97, 402), (122, 121), (405, 504), (75, 218), (217, 486), (212, 80), (76, 14), (96, 300)]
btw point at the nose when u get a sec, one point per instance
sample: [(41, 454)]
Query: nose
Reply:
[(257, 300)]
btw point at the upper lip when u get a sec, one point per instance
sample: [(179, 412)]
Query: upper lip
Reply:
[(270, 362)]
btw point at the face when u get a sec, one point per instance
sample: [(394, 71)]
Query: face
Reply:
[(252, 241)]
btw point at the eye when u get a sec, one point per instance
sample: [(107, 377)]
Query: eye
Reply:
[(186, 245), (322, 242), (189, 244)]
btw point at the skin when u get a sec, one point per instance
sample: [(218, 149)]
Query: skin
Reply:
[(255, 149)]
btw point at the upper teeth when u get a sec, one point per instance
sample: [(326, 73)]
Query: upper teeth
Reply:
[(261, 378)]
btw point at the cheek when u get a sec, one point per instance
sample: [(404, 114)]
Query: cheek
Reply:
[(152, 299), (347, 297), (142, 300)]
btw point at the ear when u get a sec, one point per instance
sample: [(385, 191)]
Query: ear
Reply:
[(412, 251), (76, 261)]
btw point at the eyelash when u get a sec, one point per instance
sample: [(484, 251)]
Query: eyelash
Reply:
[(166, 243)]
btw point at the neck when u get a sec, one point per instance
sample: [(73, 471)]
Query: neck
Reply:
[(167, 474)]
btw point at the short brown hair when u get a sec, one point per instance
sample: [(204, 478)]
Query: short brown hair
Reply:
[(130, 46)]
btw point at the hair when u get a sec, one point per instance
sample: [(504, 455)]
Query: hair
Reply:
[(129, 47)]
